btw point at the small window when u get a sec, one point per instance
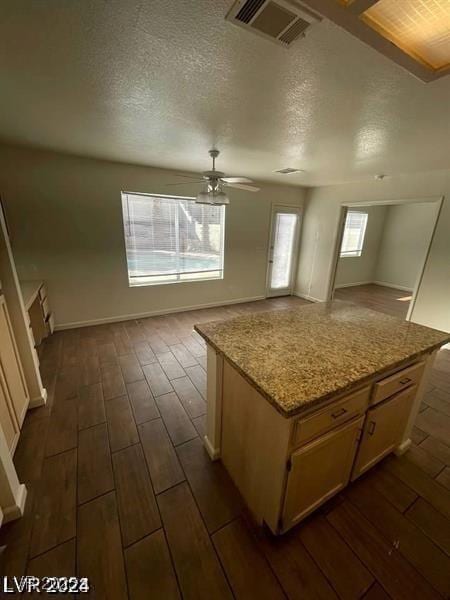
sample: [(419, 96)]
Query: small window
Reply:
[(172, 239), (354, 232)]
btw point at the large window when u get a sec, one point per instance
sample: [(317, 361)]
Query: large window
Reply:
[(354, 232), (171, 239)]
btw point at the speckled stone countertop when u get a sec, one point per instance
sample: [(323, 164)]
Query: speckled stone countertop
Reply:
[(303, 356)]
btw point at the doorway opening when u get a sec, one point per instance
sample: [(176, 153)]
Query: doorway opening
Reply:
[(381, 252), (283, 250)]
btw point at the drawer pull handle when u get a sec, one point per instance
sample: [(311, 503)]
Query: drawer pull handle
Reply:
[(339, 413), (405, 380), (372, 427)]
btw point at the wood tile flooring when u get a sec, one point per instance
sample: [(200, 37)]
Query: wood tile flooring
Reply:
[(377, 297), (122, 491)]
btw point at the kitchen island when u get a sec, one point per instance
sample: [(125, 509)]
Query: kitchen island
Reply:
[(302, 401)]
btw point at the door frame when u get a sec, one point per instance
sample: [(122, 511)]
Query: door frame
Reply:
[(299, 211), (345, 206)]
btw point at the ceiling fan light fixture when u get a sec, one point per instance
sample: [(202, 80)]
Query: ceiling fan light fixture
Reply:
[(214, 197), (204, 197), (220, 198)]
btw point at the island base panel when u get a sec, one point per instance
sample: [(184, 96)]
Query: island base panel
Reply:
[(286, 467), (214, 384)]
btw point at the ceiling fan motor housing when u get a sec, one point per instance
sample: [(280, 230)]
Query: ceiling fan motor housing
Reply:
[(213, 174)]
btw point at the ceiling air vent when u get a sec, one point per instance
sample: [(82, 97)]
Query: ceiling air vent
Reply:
[(288, 171), (282, 21), (249, 10)]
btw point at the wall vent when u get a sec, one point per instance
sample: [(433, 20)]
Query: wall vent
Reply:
[(282, 21)]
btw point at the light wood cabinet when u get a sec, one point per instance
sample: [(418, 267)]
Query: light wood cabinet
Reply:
[(318, 471), (12, 377), (34, 295), (383, 430), (286, 467), (37, 323)]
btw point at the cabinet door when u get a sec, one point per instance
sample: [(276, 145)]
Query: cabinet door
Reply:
[(37, 321), (11, 365), (383, 430), (318, 471)]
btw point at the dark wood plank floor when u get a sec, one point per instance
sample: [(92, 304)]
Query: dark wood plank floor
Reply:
[(122, 491), (377, 297)]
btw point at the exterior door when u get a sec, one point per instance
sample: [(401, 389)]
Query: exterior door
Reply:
[(383, 430), (283, 250)]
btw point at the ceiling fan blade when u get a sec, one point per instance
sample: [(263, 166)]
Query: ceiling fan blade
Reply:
[(237, 180), (198, 182), (242, 186), (186, 176)]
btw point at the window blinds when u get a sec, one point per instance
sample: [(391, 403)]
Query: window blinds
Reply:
[(171, 239), (354, 232)]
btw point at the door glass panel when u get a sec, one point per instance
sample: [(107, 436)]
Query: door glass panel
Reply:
[(283, 248)]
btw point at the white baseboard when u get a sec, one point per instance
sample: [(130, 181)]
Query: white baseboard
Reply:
[(214, 453), (393, 286), (402, 448), (39, 400), (154, 313), (382, 283), (346, 285), (10, 513), (306, 297)]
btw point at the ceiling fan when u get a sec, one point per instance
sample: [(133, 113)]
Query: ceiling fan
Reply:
[(213, 183)]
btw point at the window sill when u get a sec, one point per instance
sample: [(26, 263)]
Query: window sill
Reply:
[(152, 282)]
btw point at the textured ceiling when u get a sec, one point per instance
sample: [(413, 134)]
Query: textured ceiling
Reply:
[(159, 82)]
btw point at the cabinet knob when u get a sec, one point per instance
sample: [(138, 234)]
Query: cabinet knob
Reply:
[(371, 428)]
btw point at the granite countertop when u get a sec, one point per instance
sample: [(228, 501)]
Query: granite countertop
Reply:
[(300, 357)]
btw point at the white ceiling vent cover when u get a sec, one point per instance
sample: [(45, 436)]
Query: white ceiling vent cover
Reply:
[(282, 21)]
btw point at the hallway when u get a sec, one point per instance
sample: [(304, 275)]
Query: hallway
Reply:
[(377, 297)]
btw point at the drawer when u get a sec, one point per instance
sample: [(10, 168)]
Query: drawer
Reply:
[(398, 381), (42, 292), (46, 308), (333, 415)]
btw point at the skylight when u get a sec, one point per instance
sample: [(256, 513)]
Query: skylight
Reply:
[(419, 27), (413, 33)]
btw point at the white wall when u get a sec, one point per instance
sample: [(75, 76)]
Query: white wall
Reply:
[(361, 269), (404, 244), (66, 227), (319, 233)]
